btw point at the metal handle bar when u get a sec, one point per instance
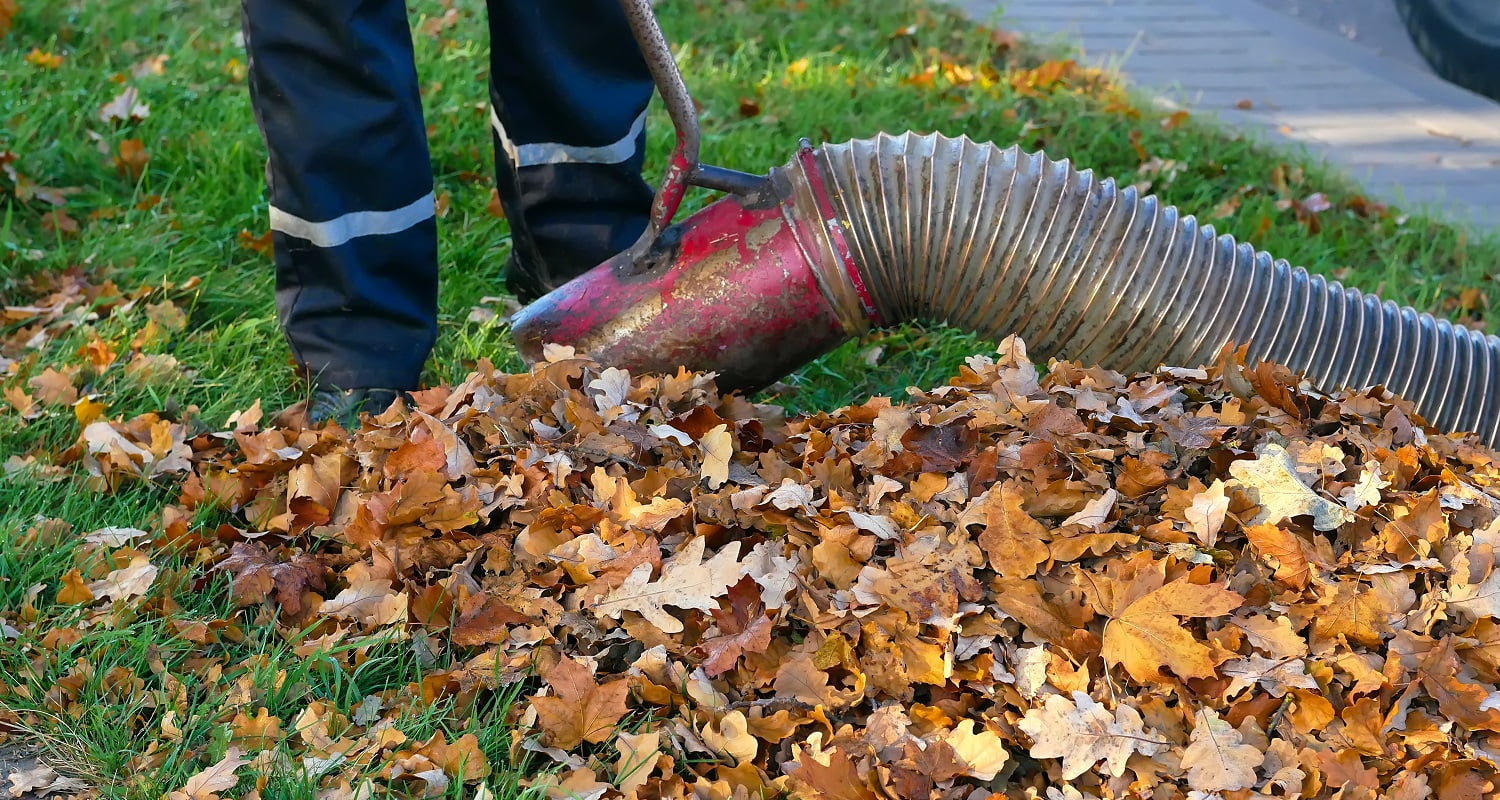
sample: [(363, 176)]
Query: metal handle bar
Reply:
[(683, 168)]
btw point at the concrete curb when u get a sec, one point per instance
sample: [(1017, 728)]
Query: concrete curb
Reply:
[(1410, 138)]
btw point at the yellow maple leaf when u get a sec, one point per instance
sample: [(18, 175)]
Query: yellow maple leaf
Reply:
[(1014, 541), (1146, 635)]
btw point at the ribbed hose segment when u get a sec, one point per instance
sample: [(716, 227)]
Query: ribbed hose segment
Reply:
[(997, 241)]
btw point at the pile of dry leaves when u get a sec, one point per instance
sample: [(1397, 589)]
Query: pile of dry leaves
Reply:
[(1190, 583)]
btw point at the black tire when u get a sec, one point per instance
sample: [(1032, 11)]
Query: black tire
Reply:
[(1468, 55)]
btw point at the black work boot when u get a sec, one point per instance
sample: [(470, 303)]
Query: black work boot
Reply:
[(345, 406), (526, 285)]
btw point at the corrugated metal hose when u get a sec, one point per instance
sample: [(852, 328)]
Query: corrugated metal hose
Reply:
[(998, 241)]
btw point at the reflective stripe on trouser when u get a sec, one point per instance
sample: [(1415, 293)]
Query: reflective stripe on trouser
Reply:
[(334, 87), (335, 93), (569, 91)]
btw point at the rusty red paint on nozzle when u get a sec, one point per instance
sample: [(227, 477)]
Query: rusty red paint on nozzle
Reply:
[(739, 288)]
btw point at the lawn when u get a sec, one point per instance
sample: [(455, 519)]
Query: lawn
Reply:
[(135, 280)]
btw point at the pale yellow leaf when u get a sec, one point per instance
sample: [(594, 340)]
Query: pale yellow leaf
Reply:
[(1082, 733), (217, 778), (1205, 515), (639, 754), (370, 602), (983, 752), (1095, 513), (1275, 635), (732, 737), (1365, 491), (1217, 758), (717, 446), (1271, 482), (132, 580), (687, 581)]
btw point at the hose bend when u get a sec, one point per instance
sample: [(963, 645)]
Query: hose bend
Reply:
[(998, 241)]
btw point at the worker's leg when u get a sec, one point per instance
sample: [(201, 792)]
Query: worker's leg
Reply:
[(569, 91), (334, 87)]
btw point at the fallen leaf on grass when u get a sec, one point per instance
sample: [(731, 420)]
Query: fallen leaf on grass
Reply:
[(58, 222), (74, 590), (132, 158), (150, 66), (42, 781), (43, 59), (220, 777), (53, 388), (126, 107), (8, 9), (22, 403), (261, 244), (1175, 120), (130, 581), (258, 574), (639, 754), (372, 603)]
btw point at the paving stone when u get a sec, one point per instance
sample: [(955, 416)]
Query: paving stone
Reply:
[(1408, 136)]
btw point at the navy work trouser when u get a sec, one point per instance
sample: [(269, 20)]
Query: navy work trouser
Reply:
[(335, 92)]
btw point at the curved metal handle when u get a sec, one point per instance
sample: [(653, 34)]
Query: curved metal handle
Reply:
[(674, 93), (683, 169)]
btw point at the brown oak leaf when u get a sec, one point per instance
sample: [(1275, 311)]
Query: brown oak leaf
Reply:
[(1014, 541), (744, 628), (259, 574)]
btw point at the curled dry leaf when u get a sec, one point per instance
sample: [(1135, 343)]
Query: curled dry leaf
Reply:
[(126, 107)]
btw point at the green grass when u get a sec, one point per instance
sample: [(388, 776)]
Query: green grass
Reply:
[(829, 71)]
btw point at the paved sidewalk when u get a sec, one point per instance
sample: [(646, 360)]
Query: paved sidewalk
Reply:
[(1408, 136)]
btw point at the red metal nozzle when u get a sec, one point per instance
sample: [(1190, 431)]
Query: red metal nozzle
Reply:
[(743, 288)]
